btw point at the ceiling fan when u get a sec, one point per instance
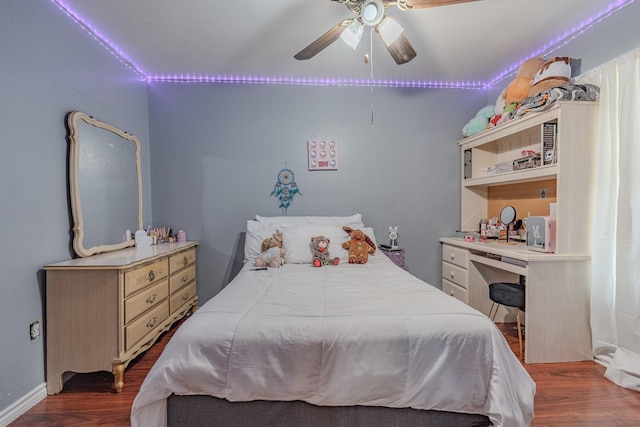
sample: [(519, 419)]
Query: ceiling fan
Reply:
[(371, 13)]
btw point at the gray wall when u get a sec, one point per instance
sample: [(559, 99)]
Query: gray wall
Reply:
[(217, 149), (48, 68), (215, 154)]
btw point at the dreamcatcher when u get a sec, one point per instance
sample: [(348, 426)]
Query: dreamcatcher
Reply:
[(285, 189)]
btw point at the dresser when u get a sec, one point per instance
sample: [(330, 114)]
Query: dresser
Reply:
[(105, 310)]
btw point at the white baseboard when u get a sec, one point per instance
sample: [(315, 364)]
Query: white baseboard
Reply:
[(25, 403)]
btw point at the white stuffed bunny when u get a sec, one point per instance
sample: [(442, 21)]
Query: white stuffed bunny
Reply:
[(393, 236)]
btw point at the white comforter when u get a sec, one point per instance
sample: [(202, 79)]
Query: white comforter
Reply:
[(367, 334)]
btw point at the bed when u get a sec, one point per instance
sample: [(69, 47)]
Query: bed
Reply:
[(335, 345)]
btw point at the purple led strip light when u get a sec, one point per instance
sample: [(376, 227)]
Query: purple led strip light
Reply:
[(543, 51)]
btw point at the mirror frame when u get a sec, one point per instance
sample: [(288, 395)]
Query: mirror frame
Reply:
[(74, 183)]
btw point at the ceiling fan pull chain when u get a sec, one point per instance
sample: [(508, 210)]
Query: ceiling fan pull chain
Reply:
[(371, 72)]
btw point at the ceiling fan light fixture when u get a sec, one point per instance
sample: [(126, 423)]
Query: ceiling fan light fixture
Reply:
[(372, 12), (352, 34), (389, 30)]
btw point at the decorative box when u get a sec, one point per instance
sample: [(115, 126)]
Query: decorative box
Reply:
[(396, 255)]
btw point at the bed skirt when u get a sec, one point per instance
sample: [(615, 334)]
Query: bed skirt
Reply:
[(200, 410)]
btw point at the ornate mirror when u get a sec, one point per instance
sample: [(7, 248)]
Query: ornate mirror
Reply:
[(105, 185)]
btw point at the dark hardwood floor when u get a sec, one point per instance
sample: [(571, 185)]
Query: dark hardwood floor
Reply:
[(568, 394)]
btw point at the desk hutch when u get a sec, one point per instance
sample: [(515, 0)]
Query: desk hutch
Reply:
[(557, 284)]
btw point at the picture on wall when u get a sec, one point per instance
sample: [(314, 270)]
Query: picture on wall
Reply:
[(322, 155)]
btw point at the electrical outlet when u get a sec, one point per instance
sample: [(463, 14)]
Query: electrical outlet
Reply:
[(543, 193), (34, 330)]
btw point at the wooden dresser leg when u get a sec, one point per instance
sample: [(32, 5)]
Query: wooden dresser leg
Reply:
[(118, 376)]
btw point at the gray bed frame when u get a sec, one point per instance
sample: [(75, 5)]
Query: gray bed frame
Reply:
[(199, 410)]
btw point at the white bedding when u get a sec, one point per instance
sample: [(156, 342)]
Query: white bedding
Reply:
[(341, 335)]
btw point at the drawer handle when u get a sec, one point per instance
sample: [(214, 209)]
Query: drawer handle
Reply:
[(453, 257), (452, 293), (152, 299), (152, 275), (452, 274), (185, 296), (152, 322), (185, 278), (185, 261)]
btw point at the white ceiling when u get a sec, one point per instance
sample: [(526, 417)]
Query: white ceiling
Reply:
[(476, 41)]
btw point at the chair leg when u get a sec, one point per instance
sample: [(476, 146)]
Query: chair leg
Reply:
[(519, 332), (493, 316)]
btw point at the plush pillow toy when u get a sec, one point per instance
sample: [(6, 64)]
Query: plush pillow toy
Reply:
[(272, 254), (320, 245), (480, 122), (519, 88), (360, 246), (553, 73)]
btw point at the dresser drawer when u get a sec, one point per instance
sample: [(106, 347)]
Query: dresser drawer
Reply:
[(181, 297), (457, 256), (143, 301), (455, 291), (142, 277), (182, 278), (454, 274), (181, 260), (145, 324)]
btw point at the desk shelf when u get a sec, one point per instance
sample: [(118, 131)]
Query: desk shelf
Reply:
[(568, 179)]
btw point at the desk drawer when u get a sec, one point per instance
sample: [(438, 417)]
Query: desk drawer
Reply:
[(142, 277), (457, 256), (146, 324), (182, 278), (454, 274), (183, 296), (455, 291), (182, 260), (143, 301)]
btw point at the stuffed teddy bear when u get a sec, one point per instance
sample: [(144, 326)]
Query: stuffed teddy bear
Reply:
[(360, 246), (320, 245), (272, 252)]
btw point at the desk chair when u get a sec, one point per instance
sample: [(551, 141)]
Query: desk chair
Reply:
[(510, 295)]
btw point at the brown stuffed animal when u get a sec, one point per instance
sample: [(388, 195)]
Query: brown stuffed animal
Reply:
[(320, 245), (519, 88), (272, 252), (360, 246)]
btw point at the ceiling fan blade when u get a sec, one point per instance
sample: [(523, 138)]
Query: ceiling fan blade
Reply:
[(421, 4), (323, 41), (392, 36)]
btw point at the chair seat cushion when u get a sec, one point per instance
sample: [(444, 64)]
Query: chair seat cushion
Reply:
[(509, 294)]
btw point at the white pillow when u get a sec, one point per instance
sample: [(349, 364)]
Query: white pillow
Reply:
[(353, 221), (256, 233), (296, 240)]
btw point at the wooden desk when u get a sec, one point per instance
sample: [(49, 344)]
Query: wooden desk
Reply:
[(557, 315)]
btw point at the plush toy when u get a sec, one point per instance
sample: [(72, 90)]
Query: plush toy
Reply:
[(320, 245), (519, 88), (273, 253), (360, 246), (553, 73), (480, 122)]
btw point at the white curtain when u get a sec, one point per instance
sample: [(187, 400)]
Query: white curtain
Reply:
[(615, 291)]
